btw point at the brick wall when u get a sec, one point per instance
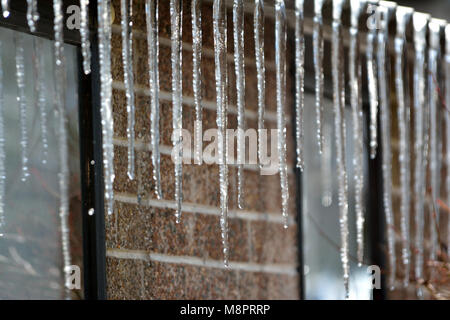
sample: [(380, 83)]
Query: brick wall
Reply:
[(149, 256)]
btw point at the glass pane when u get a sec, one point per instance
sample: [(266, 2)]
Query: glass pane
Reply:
[(30, 251)]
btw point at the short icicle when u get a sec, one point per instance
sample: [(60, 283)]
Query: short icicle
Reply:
[(318, 68), (196, 14), (339, 123), (403, 16), (32, 14), (176, 14), (2, 150), (260, 71), (299, 81), (220, 58), (84, 34), (126, 8), (151, 13), (239, 66), (5, 8)]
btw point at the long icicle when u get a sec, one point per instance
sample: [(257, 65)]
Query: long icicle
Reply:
[(357, 117), (372, 85), (126, 8), (60, 95), (318, 68), (403, 16), (5, 8), (420, 21), (447, 124), (197, 76), (220, 58), (299, 81), (2, 150), (151, 13), (239, 67), (339, 118), (104, 36), (260, 71), (84, 34), (176, 14), (32, 14), (385, 11), (280, 62), (21, 98)]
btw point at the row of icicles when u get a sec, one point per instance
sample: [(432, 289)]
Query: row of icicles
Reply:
[(425, 105)]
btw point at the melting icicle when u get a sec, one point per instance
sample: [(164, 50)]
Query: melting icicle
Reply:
[(84, 33), (104, 36), (176, 14), (238, 33), (5, 8), (372, 86), (420, 21), (447, 123), (32, 14), (39, 73), (197, 71), (385, 11), (2, 151), (357, 116), (126, 8), (433, 56), (318, 68), (21, 98), (280, 62), (299, 80), (151, 12), (403, 15), (339, 123), (260, 71), (326, 166), (58, 27), (220, 58)]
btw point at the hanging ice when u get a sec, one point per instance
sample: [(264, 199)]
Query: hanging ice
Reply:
[(326, 166), (280, 62), (403, 16), (176, 14), (58, 28), (197, 73), (220, 58), (21, 99), (420, 21), (385, 11), (32, 14), (447, 124), (318, 67), (5, 8), (2, 151), (151, 12), (339, 123), (357, 117), (84, 33), (299, 80), (126, 8), (239, 65), (372, 84), (260, 70), (104, 38)]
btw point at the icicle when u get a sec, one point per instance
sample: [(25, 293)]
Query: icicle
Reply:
[(339, 123), (220, 57), (84, 33), (176, 14), (447, 124), (58, 27), (2, 151), (420, 21), (260, 71), (280, 62), (151, 12), (318, 68), (403, 15), (433, 56), (5, 8), (21, 98), (357, 116), (39, 81), (32, 14), (372, 86), (104, 37), (239, 65), (197, 71), (126, 8), (299, 80), (385, 11), (326, 166)]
